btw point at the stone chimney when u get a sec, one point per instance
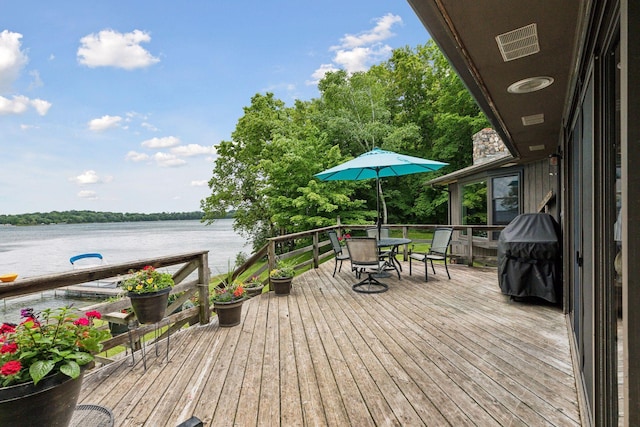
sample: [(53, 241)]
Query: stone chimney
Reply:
[(488, 146)]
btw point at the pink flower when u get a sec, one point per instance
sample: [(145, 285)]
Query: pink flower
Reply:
[(93, 314), (10, 368), (83, 321)]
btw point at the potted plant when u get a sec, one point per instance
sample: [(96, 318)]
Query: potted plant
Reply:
[(41, 364), (253, 286), (281, 276), (149, 291), (227, 299)]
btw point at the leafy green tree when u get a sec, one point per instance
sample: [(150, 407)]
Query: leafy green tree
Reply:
[(413, 104)]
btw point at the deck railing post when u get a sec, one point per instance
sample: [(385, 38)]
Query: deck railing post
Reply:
[(470, 246), (271, 256), (316, 250), (203, 288)]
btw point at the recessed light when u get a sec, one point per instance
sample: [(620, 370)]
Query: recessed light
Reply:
[(536, 147), (530, 84)]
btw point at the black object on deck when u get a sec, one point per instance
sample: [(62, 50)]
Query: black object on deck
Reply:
[(529, 258)]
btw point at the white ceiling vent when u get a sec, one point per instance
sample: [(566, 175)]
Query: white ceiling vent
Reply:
[(519, 43), (534, 119)]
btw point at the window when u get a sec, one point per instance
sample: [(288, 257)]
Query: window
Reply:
[(474, 205), (505, 198)]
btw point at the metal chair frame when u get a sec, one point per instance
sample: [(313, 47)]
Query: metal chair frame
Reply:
[(364, 258), (341, 253), (438, 251)]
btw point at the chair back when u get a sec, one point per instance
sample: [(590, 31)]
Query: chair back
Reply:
[(335, 243), (441, 240), (373, 232), (363, 251)]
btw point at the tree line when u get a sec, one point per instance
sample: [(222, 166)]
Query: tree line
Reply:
[(413, 104), (84, 217)]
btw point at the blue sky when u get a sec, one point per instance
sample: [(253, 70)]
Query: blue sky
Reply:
[(118, 105)]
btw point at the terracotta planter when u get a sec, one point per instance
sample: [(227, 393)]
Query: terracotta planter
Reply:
[(281, 285), (53, 399), (229, 313), (150, 307)]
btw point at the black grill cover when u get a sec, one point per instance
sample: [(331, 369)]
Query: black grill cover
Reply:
[(529, 255)]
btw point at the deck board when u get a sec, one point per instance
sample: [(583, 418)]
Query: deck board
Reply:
[(444, 352)]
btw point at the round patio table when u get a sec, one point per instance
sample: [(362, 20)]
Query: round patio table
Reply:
[(393, 243)]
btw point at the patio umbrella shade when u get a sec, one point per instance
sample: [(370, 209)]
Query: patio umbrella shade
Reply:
[(377, 164)]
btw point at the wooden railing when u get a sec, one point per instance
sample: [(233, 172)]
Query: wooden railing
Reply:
[(185, 265), (318, 247)]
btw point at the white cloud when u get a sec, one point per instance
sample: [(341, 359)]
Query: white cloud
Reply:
[(201, 183), (379, 33), (110, 48), (192, 150), (134, 156), (359, 52), (149, 127), (41, 106), (12, 59), (17, 105), (37, 81), (87, 177), (167, 141), (320, 72), (88, 194), (167, 160), (104, 123)]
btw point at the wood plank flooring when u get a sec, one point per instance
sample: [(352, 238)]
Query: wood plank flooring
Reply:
[(439, 353)]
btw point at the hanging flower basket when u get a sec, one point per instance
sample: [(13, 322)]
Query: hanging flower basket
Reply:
[(150, 307)]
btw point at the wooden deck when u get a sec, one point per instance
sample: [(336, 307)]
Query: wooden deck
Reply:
[(447, 352)]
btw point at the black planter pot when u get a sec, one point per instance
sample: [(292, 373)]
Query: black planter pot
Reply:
[(281, 285), (254, 291), (118, 328), (51, 402), (150, 307), (229, 313)]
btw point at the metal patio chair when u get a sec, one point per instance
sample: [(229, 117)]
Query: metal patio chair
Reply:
[(363, 252), (438, 251), (341, 253)]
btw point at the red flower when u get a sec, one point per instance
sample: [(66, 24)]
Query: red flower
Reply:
[(238, 292), (93, 314), (148, 268), (7, 328), (9, 348), (83, 321), (347, 236), (10, 368)]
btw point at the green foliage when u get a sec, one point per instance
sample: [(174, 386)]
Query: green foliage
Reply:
[(58, 340), (147, 280), (229, 292), (413, 104), (283, 269), (85, 217)]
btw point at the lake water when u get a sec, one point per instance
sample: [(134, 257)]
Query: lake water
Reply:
[(45, 249)]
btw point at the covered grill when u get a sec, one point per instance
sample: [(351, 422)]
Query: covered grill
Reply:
[(529, 255)]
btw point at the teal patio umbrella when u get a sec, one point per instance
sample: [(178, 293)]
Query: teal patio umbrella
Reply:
[(377, 164)]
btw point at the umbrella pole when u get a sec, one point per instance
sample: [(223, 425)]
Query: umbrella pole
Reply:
[(378, 205)]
